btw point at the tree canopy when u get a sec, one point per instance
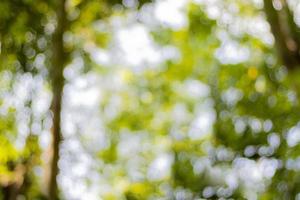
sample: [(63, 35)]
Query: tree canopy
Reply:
[(140, 99)]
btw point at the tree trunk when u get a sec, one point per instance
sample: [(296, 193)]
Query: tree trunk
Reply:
[(57, 83), (285, 33)]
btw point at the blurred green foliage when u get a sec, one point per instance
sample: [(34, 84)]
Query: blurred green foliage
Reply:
[(250, 106)]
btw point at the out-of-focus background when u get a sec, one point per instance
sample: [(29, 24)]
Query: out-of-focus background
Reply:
[(149, 100)]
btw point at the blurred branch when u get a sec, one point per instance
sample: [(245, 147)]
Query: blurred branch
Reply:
[(295, 30), (283, 30)]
